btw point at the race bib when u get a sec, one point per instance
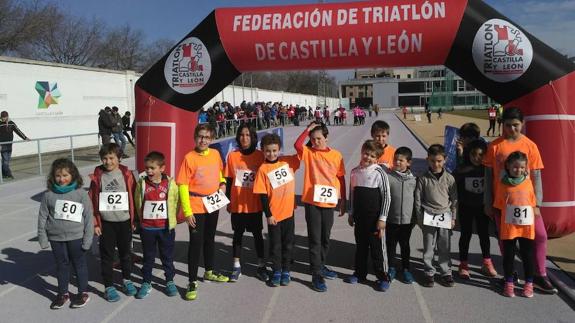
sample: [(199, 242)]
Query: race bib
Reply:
[(280, 176), (437, 220), (519, 215), (325, 194), (68, 210), (245, 178), (215, 201), (474, 184), (114, 201), (492, 114), (155, 210)]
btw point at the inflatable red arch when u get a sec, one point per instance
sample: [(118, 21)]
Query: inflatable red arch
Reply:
[(472, 39)]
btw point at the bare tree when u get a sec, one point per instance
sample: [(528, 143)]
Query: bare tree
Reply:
[(21, 24), (68, 40), (155, 51), (122, 49)]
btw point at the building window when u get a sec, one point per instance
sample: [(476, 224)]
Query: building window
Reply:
[(408, 76)]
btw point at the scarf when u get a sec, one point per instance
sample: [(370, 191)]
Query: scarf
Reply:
[(512, 181), (61, 189)]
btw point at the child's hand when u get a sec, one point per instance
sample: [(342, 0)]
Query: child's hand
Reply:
[(459, 147), (342, 207), (223, 188), (98, 231), (191, 221), (380, 225), (272, 221), (452, 224), (312, 125), (380, 228), (536, 211), (488, 209), (350, 220)]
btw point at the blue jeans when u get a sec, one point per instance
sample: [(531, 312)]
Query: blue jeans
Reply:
[(164, 240), (66, 252), (6, 156), (120, 139)]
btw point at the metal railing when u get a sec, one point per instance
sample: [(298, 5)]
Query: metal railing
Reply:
[(56, 149)]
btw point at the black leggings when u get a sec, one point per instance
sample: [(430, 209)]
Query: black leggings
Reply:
[(466, 218), (525, 249), (258, 242), (401, 233), (202, 235)]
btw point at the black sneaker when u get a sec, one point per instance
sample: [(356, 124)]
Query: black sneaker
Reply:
[(428, 281), (447, 281), (60, 301), (543, 284), (81, 300)]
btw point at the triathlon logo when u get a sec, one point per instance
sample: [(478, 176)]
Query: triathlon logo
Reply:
[(501, 51), (188, 67)]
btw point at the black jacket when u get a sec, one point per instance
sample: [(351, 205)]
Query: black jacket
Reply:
[(105, 123), (7, 130)]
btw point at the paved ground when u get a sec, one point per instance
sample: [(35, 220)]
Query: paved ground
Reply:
[(27, 281)]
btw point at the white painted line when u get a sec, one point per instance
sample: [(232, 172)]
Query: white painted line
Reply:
[(172, 126), (558, 204), (20, 210), (25, 281), (271, 306), (118, 309), (422, 304), (542, 117), (24, 235)]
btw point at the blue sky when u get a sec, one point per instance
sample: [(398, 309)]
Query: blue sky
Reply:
[(552, 21)]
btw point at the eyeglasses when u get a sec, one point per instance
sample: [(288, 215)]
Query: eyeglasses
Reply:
[(206, 138)]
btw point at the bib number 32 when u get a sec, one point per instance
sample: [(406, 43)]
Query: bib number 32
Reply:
[(215, 201)]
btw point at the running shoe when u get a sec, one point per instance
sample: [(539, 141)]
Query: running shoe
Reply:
[(144, 290), (192, 291), (215, 277), (60, 301)]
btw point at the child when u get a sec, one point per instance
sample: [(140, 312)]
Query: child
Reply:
[(245, 207), (380, 133), (436, 203), (515, 201), (275, 184), (65, 224), (470, 180), (494, 161), (156, 198), (112, 194), (400, 220), (201, 186), (468, 132), (369, 198), (324, 184)]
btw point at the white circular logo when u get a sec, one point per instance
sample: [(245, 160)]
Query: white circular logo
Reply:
[(501, 51), (188, 67), (162, 195)]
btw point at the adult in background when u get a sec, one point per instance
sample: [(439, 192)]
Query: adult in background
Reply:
[(7, 129), (117, 130), (105, 125), (499, 149), (492, 114), (127, 127)]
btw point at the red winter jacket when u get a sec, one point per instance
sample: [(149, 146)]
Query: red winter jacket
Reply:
[(96, 188)]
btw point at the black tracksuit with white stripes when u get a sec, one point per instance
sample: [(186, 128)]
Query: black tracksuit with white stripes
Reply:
[(370, 199)]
